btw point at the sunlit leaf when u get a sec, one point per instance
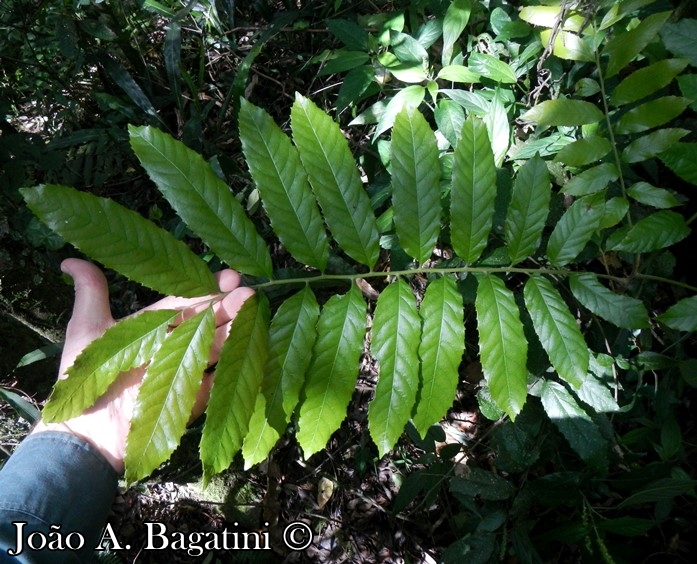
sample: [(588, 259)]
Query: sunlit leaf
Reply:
[(283, 185), (584, 151), (456, 17), (548, 16), (591, 180), (166, 397), (593, 393), (335, 180), (121, 239), (620, 310), (656, 231), (622, 48), (291, 336), (440, 351), (130, 343), (202, 200), (563, 112), (415, 184), (575, 229), (238, 376), (503, 346), (575, 424), (528, 209), (333, 371), (557, 330), (682, 315), (499, 129), (395, 341), (646, 81), (473, 191), (568, 46), (492, 68), (458, 73)]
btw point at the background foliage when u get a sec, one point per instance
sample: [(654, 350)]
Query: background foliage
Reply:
[(520, 229)]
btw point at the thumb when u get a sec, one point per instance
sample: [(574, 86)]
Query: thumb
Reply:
[(91, 310)]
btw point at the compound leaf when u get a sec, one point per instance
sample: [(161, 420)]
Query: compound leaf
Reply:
[(395, 341), (473, 191), (415, 184), (333, 371), (291, 336), (557, 329), (333, 175), (202, 200), (238, 376), (503, 346), (440, 351), (130, 343), (167, 395), (575, 229), (282, 182), (656, 231), (528, 209), (623, 311), (575, 424), (121, 239)]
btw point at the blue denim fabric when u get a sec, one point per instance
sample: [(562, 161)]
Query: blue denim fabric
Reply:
[(55, 478)]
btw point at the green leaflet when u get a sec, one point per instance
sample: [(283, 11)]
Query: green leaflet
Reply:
[(128, 344), (584, 151), (575, 424), (285, 191), (619, 310), (121, 239), (682, 315), (652, 196), (333, 371), (291, 337), (646, 81), (563, 112), (415, 184), (333, 175), (652, 144), (456, 17), (656, 231), (503, 346), (167, 395), (473, 191), (440, 350), (652, 114), (557, 329), (623, 48), (681, 158), (592, 180), (395, 342), (238, 376), (528, 209), (202, 200), (575, 229), (491, 67), (596, 395)]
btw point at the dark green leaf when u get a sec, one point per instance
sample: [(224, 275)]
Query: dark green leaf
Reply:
[(682, 315), (652, 114), (557, 329), (395, 342), (122, 240), (130, 343), (563, 112), (646, 81), (491, 67), (473, 191), (584, 151), (343, 61), (335, 181), (283, 185), (679, 38), (659, 230), (661, 490), (415, 184), (238, 376), (349, 33), (450, 117), (575, 424), (575, 229), (440, 350), (592, 180), (682, 160), (167, 395), (649, 195), (528, 209), (621, 49), (333, 371), (620, 310), (23, 407), (407, 49), (626, 526), (483, 484), (456, 17), (502, 344), (653, 144), (355, 83), (291, 337), (202, 200)]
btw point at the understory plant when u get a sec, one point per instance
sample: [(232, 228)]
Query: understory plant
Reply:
[(525, 221)]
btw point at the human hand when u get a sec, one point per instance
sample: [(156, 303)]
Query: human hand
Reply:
[(105, 425)]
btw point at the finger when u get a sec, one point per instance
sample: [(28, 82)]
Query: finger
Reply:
[(91, 311)]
